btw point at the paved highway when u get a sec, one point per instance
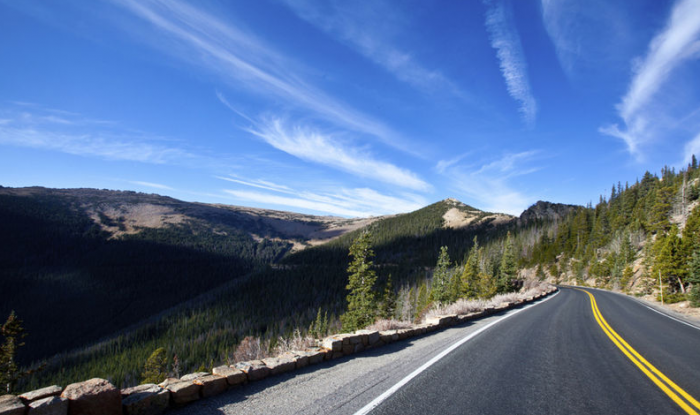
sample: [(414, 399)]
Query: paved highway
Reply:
[(578, 352)]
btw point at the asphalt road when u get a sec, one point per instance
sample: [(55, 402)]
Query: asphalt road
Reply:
[(552, 357)]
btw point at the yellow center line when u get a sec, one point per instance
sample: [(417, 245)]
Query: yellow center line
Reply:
[(647, 368)]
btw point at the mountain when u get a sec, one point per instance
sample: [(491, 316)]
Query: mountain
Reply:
[(139, 264), (119, 257)]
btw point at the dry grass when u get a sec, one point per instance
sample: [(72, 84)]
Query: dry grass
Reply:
[(251, 348), (296, 342), (463, 306), (382, 325)]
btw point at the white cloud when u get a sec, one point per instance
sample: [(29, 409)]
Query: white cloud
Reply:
[(368, 27), (70, 135), (692, 147), (677, 43), (443, 165), (314, 146), (153, 185), (586, 35), (242, 59), (260, 184), (490, 184), (505, 39)]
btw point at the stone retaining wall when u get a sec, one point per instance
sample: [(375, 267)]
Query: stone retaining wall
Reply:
[(100, 397)]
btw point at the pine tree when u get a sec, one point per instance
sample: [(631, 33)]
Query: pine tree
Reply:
[(422, 301), (388, 300), (487, 286), (361, 299), (470, 275), (156, 368), (508, 271), (441, 278), (10, 373)]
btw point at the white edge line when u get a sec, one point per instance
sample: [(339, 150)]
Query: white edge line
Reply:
[(671, 317), (649, 307), (381, 398)]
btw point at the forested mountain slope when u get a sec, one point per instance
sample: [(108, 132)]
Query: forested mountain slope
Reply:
[(81, 264)]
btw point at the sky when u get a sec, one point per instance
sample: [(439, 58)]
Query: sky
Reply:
[(348, 108)]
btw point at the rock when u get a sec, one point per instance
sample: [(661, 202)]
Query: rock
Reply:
[(315, 355), (11, 405), (348, 349), (388, 336), (148, 399), (280, 364), (93, 397), (333, 343), (193, 376), (52, 405), (212, 385), (300, 357), (184, 391), (233, 376), (42, 393), (254, 370), (369, 337)]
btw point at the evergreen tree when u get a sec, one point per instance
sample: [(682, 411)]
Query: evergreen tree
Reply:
[(388, 300), (470, 275), (694, 279), (422, 301), (13, 332), (487, 286), (670, 261), (441, 278), (508, 271), (156, 368), (361, 299)]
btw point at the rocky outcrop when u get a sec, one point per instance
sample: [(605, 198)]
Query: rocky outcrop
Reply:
[(545, 211), (93, 397), (11, 405), (53, 405), (42, 393), (148, 399)]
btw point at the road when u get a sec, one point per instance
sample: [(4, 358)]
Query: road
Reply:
[(550, 357)]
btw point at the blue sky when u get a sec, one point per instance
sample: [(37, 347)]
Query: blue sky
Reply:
[(348, 108)]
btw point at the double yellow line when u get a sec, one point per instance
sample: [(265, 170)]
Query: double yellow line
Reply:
[(664, 383)]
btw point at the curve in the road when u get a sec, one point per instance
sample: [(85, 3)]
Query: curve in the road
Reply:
[(656, 376)]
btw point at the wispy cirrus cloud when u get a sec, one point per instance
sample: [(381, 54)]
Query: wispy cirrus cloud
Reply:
[(490, 183), (151, 185), (586, 35), (358, 202), (244, 60), (77, 135), (505, 39), (678, 42), (314, 146), (369, 29)]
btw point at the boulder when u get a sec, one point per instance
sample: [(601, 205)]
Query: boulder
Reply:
[(254, 370), (42, 393), (369, 337), (183, 392), (93, 397), (52, 405), (11, 405), (300, 357), (315, 355), (148, 399), (280, 364), (193, 376), (333, 343), (212, 385), (233, 376)]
